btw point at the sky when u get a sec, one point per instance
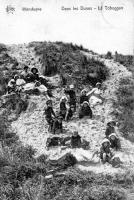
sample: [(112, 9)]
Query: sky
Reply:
[(100, 31)]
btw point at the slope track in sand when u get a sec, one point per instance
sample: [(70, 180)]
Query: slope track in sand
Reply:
[(32, 128)]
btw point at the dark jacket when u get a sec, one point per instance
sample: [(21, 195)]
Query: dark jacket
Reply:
[(71, 94), (69, 114), (105, 150), (55, 141), (85, 112), (115, 144), (63, 109), (75, 141), (49, 113), (109, 130), (34, 77), (57, 126), (26, 76), (63, 106), (64, 162)]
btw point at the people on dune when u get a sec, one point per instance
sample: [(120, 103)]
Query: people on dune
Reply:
[(76, 140), (85, 110), (67, 109), (11, 86), (41, 88), (20, 82), (29, 81), (63, 106), (49, 114), (57, 127), (114, 141), (26, 74), (83, 96), (105, 151), (34, 75), (110, 128), (16, 84), (72, 95), (70, 112), (95, 95)]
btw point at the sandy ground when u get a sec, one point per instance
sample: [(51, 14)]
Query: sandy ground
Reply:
[(32, 128)]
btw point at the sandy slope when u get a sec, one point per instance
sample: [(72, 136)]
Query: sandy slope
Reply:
[(32, 127)]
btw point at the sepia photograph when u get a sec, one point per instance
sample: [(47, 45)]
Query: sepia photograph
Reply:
[(66, 100)]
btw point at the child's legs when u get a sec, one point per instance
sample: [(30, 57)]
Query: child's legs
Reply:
[(50, 123)]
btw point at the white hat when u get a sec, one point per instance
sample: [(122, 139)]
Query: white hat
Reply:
[(98, 83), (85, 102), (63, 97), (105, 140), (12, 81), (84, 90), (71, 86), (112, 134)]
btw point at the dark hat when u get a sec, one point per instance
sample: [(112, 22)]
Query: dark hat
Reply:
[(59, 117), (25, 67), (48, 101), (16, 76), (34, 68), (37, 83), (111, 123)]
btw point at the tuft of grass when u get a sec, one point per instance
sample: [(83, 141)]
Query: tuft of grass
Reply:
[(24, 177), (125, 98), (125, 106), (69, 61)]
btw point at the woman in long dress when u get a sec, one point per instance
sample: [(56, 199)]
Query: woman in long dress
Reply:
[(95, 95)]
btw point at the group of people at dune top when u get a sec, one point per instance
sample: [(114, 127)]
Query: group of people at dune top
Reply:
[(69, 106), (67, 109), (28, 80)]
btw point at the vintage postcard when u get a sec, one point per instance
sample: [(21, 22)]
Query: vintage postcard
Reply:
[(66, 99)]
